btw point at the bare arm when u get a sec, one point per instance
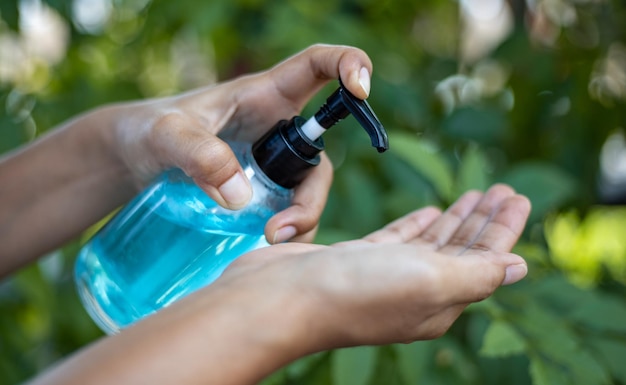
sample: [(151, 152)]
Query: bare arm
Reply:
[(54, 188), (409, 281)]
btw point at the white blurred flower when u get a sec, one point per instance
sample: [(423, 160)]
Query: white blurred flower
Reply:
[(457, 90), (613, 158), (492, 76), (560, 12), (42, 42), (13, 57), (44, 33), (486, 23), (608, 79), (91, 15), (488, 78)]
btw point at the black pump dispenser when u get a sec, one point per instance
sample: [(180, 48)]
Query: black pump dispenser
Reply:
[(291, 148)]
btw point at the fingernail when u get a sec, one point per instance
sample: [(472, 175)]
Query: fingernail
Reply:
[(364, 80), (514, 273), (236, 191), (284, 234)]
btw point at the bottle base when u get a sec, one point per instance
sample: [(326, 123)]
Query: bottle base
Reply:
[(102, 298), (96, 312)]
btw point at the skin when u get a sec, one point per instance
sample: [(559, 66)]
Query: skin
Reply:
[(408, 281), (92, 164)]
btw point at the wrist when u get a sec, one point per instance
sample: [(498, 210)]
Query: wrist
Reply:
[(273, 319), (296, 311)]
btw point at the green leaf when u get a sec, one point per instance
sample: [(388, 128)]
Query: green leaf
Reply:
[(9, 12), (555, 340), (12, 133), (386, 369), (482, 124), (546, 185), (612, 353), (317, 371), (542, 373), (360, 209), (453, 363), (330, 235), (556, 291), (277, 378), (353, 366), (601, 312), (300, 367), (547, 333), (425, 159), (415, 191), (501, 340), (413, 360), (593, 309), (487, 306), (586, 370), (472, 172)]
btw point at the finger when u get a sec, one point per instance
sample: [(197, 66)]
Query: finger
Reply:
[(475, 222), (308, 203), (301, 76), (482, 273), (307, 237), (462, 281), (504, 227), (440, 231), (406, 228), (209, 161)]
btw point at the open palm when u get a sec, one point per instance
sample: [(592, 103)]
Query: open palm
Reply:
[(407, 281)]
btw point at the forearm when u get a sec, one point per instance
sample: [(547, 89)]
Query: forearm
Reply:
[(54, 188), (221, 335)]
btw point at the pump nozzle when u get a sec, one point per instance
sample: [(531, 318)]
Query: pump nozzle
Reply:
[(291, 148), (339, 105)]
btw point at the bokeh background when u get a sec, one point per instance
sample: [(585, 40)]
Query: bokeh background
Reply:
[(473, 92)]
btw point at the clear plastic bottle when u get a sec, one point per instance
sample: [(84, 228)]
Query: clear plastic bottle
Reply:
[(173, 239), (168, 242)]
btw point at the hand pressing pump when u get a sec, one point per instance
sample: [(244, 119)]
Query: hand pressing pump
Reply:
[(173, 239)]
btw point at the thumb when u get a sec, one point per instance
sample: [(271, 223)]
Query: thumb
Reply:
[(304, 74), (208, 160), (482, 274)]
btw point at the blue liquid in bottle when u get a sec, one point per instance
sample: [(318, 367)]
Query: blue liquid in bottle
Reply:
[(168, 242)]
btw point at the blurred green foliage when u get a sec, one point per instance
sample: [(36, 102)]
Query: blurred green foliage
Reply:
[(532, 109)]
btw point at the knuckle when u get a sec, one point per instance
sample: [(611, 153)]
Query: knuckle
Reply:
[(169, 121), (211, 160), (166, 127)]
